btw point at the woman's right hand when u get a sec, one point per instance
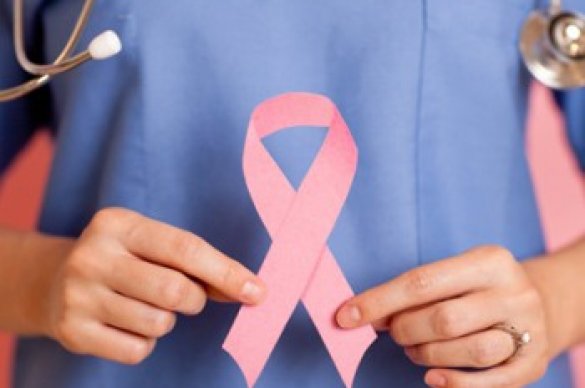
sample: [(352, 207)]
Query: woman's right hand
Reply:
[(123, 281)]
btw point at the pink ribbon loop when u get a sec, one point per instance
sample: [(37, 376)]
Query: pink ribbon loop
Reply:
[(298, 265)]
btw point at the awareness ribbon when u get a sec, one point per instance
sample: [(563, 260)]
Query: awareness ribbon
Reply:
[(298, 265)]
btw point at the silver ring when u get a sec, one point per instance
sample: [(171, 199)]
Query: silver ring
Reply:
[(520, 338)]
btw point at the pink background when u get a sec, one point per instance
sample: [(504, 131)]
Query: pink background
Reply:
[(559, 185)]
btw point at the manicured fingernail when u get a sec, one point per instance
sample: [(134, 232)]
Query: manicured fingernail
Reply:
[(436, 380), (252, 292), (349, 316)]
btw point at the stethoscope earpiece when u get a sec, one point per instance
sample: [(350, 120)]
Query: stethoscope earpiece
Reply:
[(552, 44), (105, 45)]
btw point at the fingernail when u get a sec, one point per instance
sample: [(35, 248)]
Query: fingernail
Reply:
[(436, 380), (251, 292), (349, 316)]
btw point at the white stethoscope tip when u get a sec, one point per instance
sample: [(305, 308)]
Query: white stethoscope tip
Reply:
[(105, 45)]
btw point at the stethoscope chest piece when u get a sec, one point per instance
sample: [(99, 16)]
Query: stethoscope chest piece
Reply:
[(553, 48)]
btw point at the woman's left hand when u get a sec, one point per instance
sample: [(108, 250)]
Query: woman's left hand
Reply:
[(444, 313)]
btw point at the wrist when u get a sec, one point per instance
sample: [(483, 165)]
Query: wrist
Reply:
[(547, 277), (41, 259)]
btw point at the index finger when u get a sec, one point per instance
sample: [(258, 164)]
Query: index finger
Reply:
[(164, 244), (472, 270)]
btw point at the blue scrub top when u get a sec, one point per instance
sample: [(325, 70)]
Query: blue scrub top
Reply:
[(434, 92)]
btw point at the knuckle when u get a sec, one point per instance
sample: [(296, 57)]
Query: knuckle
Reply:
[(160, 323), (419, 281), (229, 275), (446, 322), (188, 245), (199, 302), (106, 219), (134, 231), (174, 292), (117, 262), (483, 354), (70, 296), (426, 355), (66, 333), (105, 309), (137, 352), (397, 331), (531, 298), (79, 264), (497, 253), (101, 219)]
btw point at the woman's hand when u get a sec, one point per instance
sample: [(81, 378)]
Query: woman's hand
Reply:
[(444, 313), (124, 279)]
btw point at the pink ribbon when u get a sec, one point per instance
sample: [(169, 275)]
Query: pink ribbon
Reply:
[(298, 265)]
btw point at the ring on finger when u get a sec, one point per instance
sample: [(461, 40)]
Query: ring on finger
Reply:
[(519, 338)]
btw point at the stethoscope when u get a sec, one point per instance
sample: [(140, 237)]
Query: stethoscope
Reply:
[(103, 46), (552, 44)]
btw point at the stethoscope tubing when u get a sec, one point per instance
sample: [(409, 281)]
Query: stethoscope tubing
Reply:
[(102, 49), (23, 89), (63, 63)]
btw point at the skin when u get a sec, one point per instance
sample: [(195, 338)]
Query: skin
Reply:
[(443, 314), (117, 289)]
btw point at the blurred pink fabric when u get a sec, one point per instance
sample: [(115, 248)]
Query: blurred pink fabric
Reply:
[(560, 187), (559, 184)]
